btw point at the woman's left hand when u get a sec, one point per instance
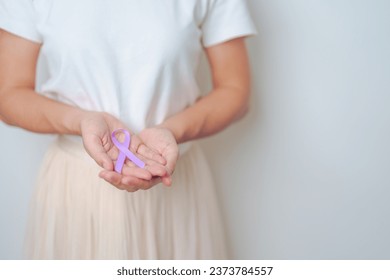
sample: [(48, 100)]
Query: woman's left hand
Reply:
[(162, 141)]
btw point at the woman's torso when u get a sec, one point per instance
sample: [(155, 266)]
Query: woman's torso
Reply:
[(134, 59)]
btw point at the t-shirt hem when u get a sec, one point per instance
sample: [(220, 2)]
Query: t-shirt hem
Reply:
[(19, 30), (208, 42)]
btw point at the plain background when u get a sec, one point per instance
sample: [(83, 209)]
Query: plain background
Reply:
[(306, 174)]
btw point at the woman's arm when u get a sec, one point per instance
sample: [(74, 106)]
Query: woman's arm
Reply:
[(21, 106), (226, 103)]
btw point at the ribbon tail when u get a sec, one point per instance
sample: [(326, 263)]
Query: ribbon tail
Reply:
[(119, 162)]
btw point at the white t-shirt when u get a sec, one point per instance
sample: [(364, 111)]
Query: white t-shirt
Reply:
[(136, 59)]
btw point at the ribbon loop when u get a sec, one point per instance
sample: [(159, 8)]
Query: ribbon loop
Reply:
[(124, 151)]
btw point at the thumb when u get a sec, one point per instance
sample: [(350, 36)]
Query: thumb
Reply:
[(171, 155), (95, 149)]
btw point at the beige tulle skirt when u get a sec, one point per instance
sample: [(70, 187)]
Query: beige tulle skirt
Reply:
[(76, 215)]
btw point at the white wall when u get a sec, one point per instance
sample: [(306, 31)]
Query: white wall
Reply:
[(313, 155)]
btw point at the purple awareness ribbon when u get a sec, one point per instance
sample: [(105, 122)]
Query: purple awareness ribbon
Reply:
[(124, 151)]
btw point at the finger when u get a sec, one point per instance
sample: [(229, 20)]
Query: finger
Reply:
[(154, 182), (167, 181), (171, 154), (150, 154), (113, 153), (128, 187), (134, 171), (111, 177), (141, 184), (145, 153), (116, 180), (95, 149), (134, 143), (155, 169)]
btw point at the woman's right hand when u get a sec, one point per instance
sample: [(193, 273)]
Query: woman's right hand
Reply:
[(96, 129)]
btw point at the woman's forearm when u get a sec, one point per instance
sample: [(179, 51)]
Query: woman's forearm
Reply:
[(209, 114), (228, 100), (25, 108), (20, 105)]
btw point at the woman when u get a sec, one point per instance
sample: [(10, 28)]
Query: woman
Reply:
[(123, 64)]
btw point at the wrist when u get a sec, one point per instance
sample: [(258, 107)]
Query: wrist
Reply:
[(173, 130), (73, 120)]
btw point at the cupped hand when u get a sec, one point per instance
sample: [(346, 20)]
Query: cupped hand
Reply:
[(96, 129), (162, 141)]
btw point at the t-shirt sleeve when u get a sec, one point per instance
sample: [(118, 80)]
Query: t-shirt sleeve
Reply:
[(18, 17), (226, 20)]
